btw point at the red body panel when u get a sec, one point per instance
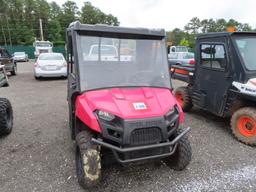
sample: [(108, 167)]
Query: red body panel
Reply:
[(120, 102)]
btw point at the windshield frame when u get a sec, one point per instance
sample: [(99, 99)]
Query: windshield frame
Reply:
[(243, 36), (79, 61)]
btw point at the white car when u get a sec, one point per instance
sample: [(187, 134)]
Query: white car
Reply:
[(20, 56), (50, 65), (107, 53)]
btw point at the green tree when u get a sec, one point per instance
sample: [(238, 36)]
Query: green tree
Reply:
[(25, 36), (245, 27), (93, 15), (221, 25), (68, 15), (54, 31), (184, 42), (176, 36), (208, 25), (193, 26), (41, 12), (55, 10)]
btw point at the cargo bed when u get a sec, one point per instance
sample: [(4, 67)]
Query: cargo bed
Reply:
[(182, 73)]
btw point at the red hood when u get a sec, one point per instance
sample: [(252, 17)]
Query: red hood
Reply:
[(127, 103)]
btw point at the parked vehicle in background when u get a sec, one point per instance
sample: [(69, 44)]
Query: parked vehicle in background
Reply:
[(223, 80), (50, 65), (42, 47), (7, 60), (20, 56), (6, 112), (175, 49), (181, 58), (108, 53), (3, 77)]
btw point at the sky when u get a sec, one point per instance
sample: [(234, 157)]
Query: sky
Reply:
[(170, 14)]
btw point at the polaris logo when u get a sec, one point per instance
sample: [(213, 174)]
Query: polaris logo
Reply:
[(139, 106)]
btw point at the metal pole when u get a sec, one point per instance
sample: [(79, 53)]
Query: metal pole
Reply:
[(10, 39), (41, 29), (4, 37)]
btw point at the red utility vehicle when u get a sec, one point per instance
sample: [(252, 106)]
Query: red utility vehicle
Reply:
[(121, 101)]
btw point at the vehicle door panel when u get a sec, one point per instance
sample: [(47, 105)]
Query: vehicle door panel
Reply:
[(211, 76)]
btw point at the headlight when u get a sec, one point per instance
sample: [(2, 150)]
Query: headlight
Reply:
[(105, 115), (170, 112)]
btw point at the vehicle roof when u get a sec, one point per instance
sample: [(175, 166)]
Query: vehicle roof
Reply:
[(105, 45), (38, 41), (50, 54), (77, 26), (221, 34)]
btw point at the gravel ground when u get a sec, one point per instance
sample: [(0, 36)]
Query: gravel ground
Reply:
[(39, 154)]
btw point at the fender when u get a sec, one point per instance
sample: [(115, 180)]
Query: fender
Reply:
[(85, 114), (248, 88)]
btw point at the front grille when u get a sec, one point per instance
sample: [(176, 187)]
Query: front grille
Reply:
[(144, 136)]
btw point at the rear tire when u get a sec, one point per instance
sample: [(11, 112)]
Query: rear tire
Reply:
[(243, 125), (183, 98), (14, 70), (6, 116), (182, 156), (88, 161)]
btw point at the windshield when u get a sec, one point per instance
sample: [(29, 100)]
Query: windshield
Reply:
[(247, 48), (50, 57), (112, 62), (189, 55), (181, 55), (181, 49), (43, 44), (19, 53)]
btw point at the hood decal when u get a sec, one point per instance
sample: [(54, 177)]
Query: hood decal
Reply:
[(139, 106)]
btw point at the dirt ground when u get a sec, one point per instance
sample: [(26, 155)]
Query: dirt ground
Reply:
[(39, 154)]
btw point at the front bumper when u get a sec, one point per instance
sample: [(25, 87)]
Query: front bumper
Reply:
[(165, 149), (20, 59), (55, 73), (140, 139)]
